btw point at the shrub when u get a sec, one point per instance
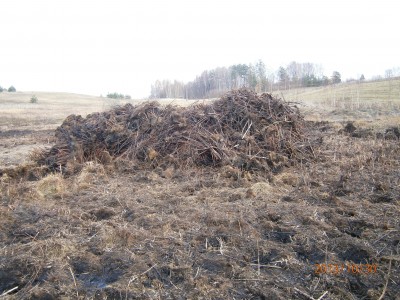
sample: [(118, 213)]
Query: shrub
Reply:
[(12, 89), (34, 99), (1, 89)]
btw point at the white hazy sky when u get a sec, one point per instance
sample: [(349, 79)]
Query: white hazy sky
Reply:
[(96, 47)]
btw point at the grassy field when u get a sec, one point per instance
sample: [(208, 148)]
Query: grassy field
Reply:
[(343, 102), (16, 111), (25, 125), (353, 94), (375, 101)]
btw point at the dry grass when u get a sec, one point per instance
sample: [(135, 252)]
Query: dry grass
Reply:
[(22, 123), (16, 111), (354, 95), (51, 186), (91, 173), (112, 231), (367, 101), (115, 231)]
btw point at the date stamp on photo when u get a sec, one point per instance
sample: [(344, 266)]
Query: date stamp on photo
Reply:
[(337, 269)]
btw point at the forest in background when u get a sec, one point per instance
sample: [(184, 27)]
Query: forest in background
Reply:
[(256, 76)]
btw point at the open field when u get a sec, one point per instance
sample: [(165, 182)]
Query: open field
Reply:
[(321, 228), (349, 101), (16, 111), (22, 122), (356, 94), (25, 125)]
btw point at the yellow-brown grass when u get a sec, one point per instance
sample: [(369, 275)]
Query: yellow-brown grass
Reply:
[(52, 186)]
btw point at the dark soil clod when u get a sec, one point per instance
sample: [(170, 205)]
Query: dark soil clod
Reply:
[(350, 128)]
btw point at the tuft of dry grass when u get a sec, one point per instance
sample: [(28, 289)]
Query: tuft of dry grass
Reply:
[(287, 178), (91, 173), (52, 186)]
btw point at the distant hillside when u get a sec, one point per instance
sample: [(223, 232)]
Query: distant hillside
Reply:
[(356, 94), (51, 108), (17, 111)]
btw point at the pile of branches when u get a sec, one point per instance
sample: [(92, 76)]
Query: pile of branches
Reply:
[(242, 129)]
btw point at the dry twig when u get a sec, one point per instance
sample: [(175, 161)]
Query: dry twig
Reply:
[(387, 281)]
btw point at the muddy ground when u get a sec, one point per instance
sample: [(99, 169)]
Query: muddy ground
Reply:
[(320, 229)]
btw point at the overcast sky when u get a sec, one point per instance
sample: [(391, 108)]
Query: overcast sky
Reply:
[(96, 47)]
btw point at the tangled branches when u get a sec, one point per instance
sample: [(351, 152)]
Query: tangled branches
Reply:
[(243, 129)]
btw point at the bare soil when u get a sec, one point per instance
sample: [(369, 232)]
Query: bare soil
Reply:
[(118, 231), (16, 145)]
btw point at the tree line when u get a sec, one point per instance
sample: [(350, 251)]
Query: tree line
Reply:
[(118, 96), (11, 89), (256, 76)]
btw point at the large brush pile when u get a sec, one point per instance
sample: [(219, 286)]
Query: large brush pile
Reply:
[(242, 129)]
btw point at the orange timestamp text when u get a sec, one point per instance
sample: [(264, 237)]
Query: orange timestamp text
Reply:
[(337, 269)]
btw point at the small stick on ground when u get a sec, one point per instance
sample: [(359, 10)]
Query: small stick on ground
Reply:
[(311, 297), (133, 278), (387, 280), (258, 260), (323, 295), (251, 279), (304, 294), (9, 291), (73, 277)]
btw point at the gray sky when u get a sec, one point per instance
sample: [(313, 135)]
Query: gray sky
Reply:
[(96, 47)]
